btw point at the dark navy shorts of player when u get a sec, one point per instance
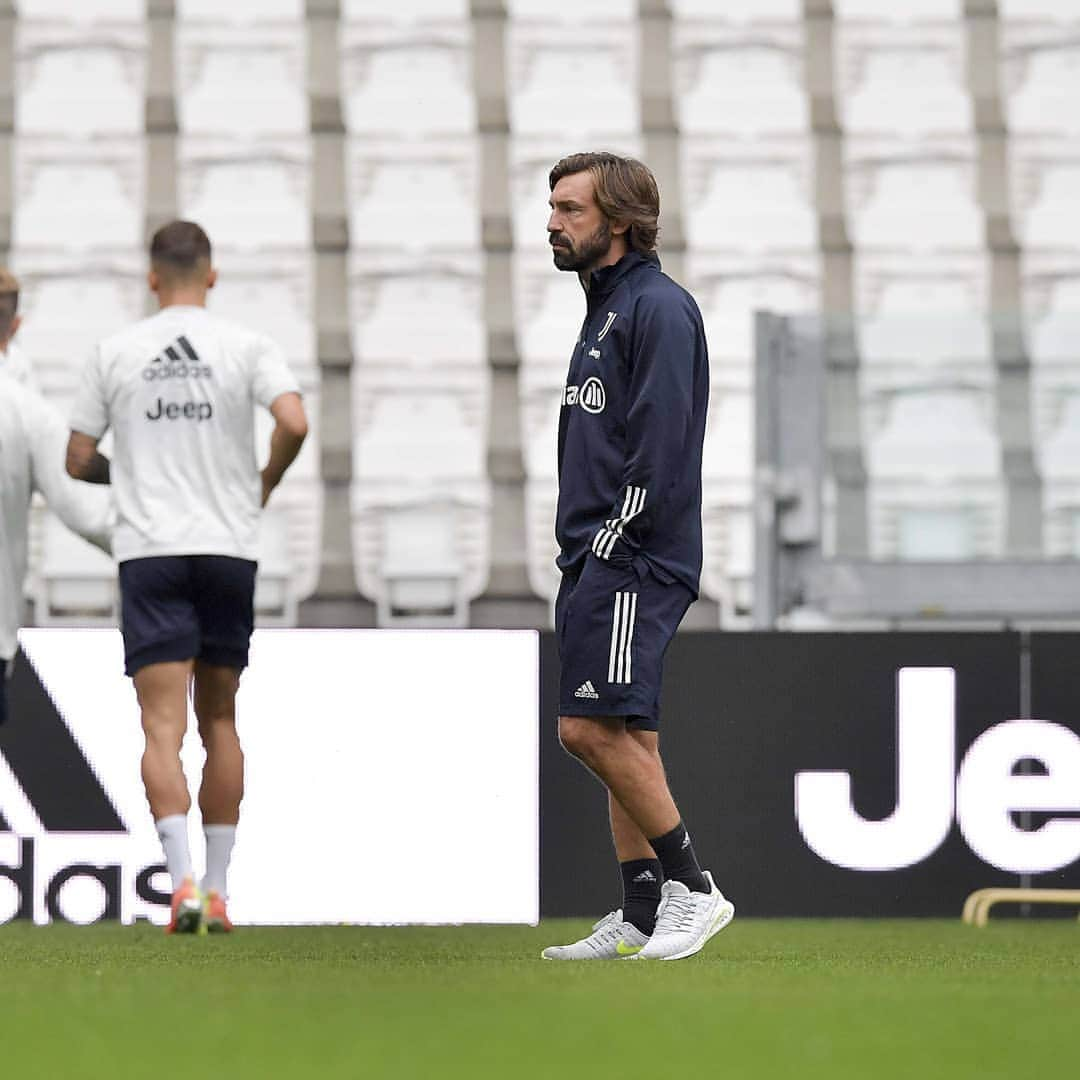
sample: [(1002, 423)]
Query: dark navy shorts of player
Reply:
[(614, 624), (3, 691), (187, 607)]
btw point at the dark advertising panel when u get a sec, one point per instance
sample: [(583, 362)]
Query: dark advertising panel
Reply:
[(844, 774)]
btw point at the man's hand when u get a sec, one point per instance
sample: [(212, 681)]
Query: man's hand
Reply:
[(290, 430), (84, 462)]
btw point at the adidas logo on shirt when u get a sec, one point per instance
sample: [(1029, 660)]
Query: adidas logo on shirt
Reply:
[(177, 361), (586, 690)]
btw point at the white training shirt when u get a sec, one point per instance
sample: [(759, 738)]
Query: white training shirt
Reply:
[(33, 442), (178, 391), (14, 362)]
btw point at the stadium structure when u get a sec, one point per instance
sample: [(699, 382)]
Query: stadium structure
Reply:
[(374, 178)]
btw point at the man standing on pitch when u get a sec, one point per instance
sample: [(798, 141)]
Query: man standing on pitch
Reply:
[(629, 531), (178, 391)]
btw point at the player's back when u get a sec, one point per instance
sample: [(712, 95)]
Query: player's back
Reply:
[(178, 390)]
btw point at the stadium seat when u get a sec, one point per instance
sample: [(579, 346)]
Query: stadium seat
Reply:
[(422, 11), (1039, 80), (734, 80), (748, 198), (272, 295), (410, 314), (275, 596), (80, 80), (729, 289), (541, 498), (912, 197), (418, 463), (1045, 182), (902, 80), (69, 304), (381, 94), (939, 11), (86, 11), (248, 196), (241, 81), (739, 11), (1038, 10), (414, 195), (78, 195), (727, 502), (935, 488), (574, 82), (595, 11), (550, 307), (917, 316), (1059, 461), (240, 11), (75, 582)]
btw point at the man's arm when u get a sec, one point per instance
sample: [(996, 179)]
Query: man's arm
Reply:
[(659, 413), (290, 430), (84, 461)]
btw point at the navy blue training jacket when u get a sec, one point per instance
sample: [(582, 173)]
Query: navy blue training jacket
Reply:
[(632, 426)]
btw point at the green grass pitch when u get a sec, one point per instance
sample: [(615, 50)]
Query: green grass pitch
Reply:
[(794, 998)]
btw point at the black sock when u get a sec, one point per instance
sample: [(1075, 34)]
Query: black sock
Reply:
[(641, 892), (676, 855)]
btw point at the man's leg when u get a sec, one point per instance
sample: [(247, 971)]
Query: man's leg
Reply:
[(223, 774), (162, 693), (641, 871), (634, 774)]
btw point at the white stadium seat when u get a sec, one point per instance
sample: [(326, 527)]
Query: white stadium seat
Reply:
[(727, 501), (425, 11), (75, 582), (753, 198), (240, 11), (549, 307), (919, 315), (1045, 191), (606, 11), (729, 289), (273, 296), (410, 314), (85, 11), (1038, 10), (732, 80), (1059, 462), (912, 197), (248, 196), (413, 195), (739, 11), (241, 81), (935, 487), (68, 305), (939, 11), (80, 80), (573, 82), (901, 80), (1040, 79), (383, 94), (79, 195)]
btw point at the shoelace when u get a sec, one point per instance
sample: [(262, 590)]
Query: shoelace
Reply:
[(606, 931), (676, 913)]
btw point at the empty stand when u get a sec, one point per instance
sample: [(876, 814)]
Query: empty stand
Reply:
[(75, 583)]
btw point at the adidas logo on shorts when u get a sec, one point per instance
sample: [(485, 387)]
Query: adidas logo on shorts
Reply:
[(586, 690)]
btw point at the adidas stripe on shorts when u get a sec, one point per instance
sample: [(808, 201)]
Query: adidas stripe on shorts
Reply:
[(614, 624)]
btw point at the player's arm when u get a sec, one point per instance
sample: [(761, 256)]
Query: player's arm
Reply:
[(660, 408), (86, 511), (84, 461), (89, 421), (290, 431)]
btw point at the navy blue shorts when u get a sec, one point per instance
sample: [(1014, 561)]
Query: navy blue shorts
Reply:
[(614, 624), (187, 607), (3, 691)]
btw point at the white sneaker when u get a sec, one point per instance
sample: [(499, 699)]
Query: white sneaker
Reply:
[(685, 920), (611, 939)]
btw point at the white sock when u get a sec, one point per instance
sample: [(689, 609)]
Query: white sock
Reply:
[(219, 845), (172, 831)]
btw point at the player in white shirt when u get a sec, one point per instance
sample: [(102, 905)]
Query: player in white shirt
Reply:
[(13, 361), (178, 391), (32, 439)]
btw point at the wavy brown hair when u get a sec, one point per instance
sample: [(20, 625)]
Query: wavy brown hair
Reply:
[(9, 300), (626, 193)]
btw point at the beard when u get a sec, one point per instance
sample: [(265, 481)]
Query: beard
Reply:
[(586, 254)]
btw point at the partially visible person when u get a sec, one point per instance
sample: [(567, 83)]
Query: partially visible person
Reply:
[(13, 361), (179, 391), (33, 436)]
